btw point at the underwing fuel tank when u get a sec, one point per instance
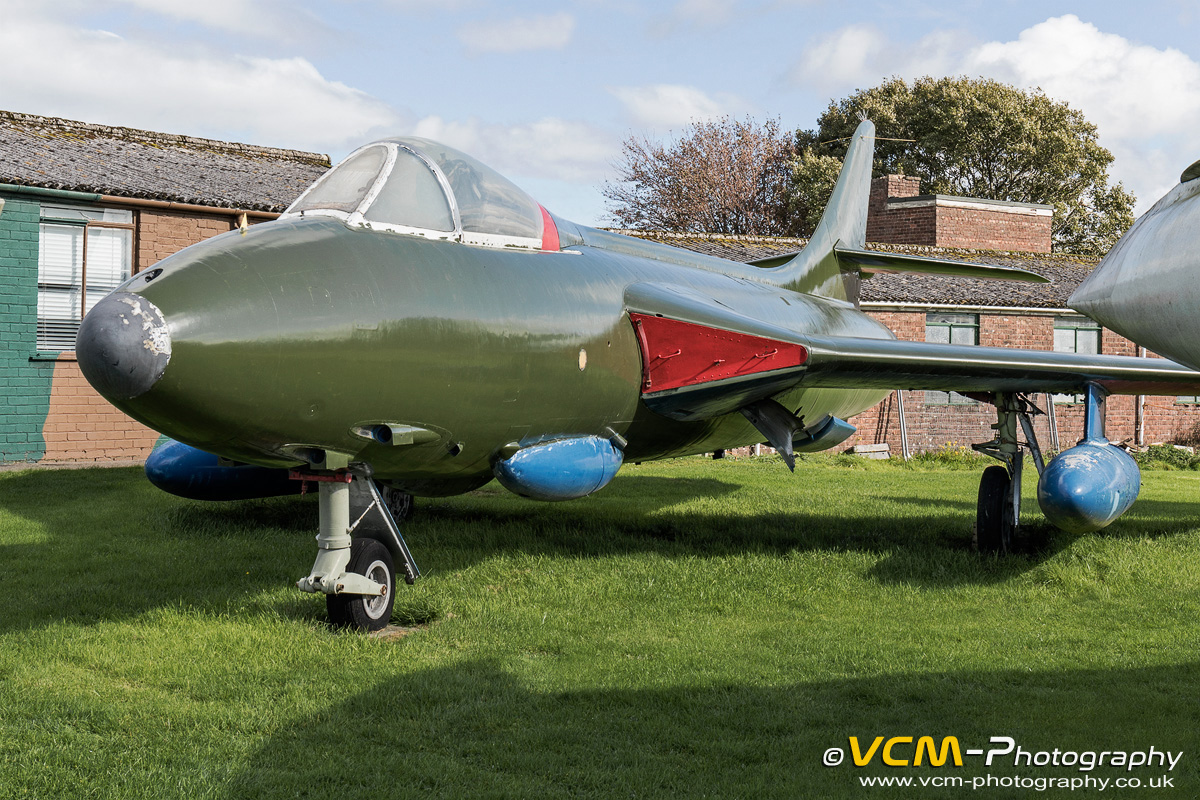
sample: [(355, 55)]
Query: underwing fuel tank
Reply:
[(565, 469), (187, 472), (1088, 486)]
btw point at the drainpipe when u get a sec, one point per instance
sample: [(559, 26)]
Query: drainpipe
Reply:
[(1139, 412)]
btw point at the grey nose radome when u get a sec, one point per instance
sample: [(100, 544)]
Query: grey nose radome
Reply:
[(123, 346)]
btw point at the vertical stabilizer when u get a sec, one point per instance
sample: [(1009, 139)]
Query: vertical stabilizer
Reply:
[(815, 269)]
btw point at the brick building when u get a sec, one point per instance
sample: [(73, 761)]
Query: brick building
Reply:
[(83, 207)]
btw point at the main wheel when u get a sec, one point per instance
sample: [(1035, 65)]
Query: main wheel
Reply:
[(362, 612), (993, 526)]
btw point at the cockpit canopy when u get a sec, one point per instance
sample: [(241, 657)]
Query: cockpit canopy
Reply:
[(417, 186)]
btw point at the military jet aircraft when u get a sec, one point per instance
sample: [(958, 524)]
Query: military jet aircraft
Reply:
[(415, 324), (1145, 288)]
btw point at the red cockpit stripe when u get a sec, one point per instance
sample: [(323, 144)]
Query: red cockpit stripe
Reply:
[(549, 232)]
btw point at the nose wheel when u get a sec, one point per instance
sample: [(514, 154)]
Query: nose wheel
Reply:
[(364, 612), (357, 574)]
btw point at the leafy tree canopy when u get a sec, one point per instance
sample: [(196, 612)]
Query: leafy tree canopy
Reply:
[(720, 176), (975, 138)]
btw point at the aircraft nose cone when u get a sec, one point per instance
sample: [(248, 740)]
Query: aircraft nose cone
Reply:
[(123, 346)]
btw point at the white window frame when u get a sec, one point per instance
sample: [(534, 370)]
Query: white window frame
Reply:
[(86, 222)]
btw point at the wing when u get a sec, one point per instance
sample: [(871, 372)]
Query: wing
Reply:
[(702, 360)]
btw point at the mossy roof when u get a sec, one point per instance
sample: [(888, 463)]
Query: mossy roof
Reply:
[(55, 153)]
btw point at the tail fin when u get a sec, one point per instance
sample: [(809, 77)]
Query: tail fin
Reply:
[(815, 269)]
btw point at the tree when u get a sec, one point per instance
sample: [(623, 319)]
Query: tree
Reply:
[(981, 138), (813, 179), (720, 176)]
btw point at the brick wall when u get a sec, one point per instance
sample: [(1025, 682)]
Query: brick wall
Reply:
[(81, 426), (932, 426), (900, 226), (938, 221), (992, 230), (162, 233)]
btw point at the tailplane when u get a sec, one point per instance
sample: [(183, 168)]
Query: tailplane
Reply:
[(836, 258)]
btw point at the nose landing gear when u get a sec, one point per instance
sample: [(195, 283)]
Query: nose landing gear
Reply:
[(357, 573)]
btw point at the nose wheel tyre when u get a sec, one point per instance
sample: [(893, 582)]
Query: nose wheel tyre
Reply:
[(365, 612)]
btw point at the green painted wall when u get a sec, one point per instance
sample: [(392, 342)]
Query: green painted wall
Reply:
[(24, 384)]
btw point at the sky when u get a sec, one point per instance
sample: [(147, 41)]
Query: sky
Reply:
[(546, 92)]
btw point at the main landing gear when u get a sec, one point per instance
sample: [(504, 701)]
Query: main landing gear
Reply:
[(357, 573), (998, 513)]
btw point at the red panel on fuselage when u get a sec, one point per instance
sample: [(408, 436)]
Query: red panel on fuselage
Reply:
[(676, 353), (549, 232)]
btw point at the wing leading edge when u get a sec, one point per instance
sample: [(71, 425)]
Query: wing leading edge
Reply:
[(894, 364)]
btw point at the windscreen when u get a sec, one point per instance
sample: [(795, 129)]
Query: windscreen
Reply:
[(345, 186)]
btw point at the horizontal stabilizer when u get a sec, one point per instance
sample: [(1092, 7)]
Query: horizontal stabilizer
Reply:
[(872, 262)]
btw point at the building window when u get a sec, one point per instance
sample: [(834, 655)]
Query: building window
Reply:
[(83, 254), (1188, 398), (951, 329), (1075, 335)]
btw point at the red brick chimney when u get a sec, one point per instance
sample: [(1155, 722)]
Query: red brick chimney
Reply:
[(897, 214)]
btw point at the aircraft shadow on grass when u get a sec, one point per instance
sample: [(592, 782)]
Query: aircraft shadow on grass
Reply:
[(477, 730), (113, 547)]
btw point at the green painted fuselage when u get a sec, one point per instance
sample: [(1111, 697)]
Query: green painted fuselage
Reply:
[(296, 332)]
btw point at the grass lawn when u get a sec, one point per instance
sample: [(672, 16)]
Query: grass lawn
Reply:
[(697, 629)]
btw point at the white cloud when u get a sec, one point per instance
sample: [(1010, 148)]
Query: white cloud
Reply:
[(663, 105), (541, 32), (269, 18), (859, 56), (1127, 89), (1144, 101), (98, 76), (843, 58), (548, 148)]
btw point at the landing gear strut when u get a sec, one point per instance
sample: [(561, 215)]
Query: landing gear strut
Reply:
[(998, 513), (357, 574)]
